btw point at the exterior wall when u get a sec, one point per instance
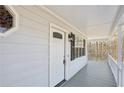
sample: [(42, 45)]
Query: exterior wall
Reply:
[(24, 55), (76, 65), (25, 52)]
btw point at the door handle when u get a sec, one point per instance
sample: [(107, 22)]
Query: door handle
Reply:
[(64, 61)]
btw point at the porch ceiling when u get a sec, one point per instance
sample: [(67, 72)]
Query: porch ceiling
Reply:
[(93, 20)]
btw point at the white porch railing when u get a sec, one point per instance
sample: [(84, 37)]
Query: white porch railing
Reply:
[(114, 67)]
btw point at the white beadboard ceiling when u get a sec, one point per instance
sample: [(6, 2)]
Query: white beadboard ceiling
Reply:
[(93, 20)]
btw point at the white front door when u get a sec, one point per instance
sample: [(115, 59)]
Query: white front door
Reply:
[(56, 56)]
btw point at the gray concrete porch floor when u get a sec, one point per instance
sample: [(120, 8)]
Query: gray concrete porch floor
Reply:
[(94, 74)]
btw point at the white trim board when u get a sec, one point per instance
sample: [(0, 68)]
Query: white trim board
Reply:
[(99, 38)]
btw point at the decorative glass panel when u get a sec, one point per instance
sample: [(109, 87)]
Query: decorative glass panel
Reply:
[(6, 19), (57, 35)]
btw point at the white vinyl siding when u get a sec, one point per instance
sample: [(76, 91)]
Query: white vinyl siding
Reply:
[(24, 55), (25, 52)]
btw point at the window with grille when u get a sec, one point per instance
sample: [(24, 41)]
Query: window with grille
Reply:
[(73, 47), (77, 47)]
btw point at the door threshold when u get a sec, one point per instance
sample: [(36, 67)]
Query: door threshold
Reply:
[(61, 83)]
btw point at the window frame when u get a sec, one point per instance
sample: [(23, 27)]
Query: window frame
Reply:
[(15, 16), (79, 48)]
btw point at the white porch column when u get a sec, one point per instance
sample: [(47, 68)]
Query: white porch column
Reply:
[(120, 36)]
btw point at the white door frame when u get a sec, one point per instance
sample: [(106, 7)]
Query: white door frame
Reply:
[(52, 25)]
